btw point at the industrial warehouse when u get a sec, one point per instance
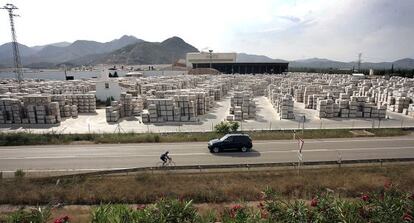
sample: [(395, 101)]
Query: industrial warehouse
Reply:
[(226, 64)]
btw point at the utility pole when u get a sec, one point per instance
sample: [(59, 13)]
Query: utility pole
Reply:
[(16, 55), (359, 62), (211, 57)]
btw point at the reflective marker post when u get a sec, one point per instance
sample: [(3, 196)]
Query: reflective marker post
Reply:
[(300, 155), (339, 159)]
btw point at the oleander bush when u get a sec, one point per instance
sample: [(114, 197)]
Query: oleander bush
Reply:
[(387, 204)]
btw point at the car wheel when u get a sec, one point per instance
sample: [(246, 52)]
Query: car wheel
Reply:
[(244, 149), (215, 150)]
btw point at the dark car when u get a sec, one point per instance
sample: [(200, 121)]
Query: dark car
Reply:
[(240, 142)]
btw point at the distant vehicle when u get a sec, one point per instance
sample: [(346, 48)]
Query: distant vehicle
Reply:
[(241, 142)]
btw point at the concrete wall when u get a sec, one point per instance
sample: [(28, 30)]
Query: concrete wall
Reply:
[(148, 73)]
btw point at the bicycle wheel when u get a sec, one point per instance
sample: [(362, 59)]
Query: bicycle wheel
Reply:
[(171, 163), (159, 164)]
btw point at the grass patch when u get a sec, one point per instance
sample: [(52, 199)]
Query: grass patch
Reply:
[(205, 187), (16, 139)]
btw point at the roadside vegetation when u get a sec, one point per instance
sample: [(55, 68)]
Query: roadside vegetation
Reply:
[(203, 187), (23, 138), (387, 204)]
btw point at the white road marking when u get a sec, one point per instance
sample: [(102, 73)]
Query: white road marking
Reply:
[(200, 154)]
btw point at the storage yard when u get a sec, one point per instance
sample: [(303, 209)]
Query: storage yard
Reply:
[(198, 102)]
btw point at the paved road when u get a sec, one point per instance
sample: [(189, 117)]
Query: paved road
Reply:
[(99, 157)]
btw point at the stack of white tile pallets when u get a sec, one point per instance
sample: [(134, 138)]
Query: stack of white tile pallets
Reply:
[(74, 111), (125, 105), (242, 106), (85, 103), (201, 104), (138, 105), (168, 110), (10, 109), (285, 107), (41, 110), (112, 112), (299, 94), (61, 100), (309, 91), (325, 108), (53, 113), (186, 108)]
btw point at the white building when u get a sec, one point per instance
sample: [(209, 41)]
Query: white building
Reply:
[(108, 87), (207, 57)]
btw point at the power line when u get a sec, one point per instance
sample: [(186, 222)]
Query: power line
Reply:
[(16, 53)]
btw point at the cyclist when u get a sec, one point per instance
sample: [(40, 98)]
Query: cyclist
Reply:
[(164, 157)]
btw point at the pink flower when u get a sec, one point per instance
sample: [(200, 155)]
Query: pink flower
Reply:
[(236, 207), (262, 195), (64, 219), (408, 217), (314, 202), (365, 197), (387, 184), (264, 214)]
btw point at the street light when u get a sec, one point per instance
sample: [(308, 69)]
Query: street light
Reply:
[(211, 56)]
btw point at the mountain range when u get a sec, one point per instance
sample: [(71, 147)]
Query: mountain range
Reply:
[(406, 63), (131, 50)]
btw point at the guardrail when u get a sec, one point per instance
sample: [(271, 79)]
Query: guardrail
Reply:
[(236, 166)]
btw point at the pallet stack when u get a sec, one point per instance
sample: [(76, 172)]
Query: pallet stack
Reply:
[(299, 94), (242, 106), (285, 107), (112, 112), (125, 105), (309, 91)]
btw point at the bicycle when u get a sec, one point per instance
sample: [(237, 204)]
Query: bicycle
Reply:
[(169, 163)]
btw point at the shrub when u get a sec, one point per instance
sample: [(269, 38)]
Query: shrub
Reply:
[(36, 215), (19, 173), (226, 127), (165, 210), (234, 126), (222, 128)]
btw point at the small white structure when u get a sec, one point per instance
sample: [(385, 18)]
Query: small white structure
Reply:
[(108, 87), (358, 75), (371, 72), (134, 74)]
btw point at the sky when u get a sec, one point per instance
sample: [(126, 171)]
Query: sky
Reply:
[(382, 30)]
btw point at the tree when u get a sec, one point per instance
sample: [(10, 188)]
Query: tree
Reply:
[(108, 101), (234, 126)]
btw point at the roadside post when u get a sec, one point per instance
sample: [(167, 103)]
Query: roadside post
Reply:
[(300, 155), (339, 161)]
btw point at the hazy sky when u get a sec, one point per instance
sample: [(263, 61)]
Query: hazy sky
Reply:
[(383, 30)]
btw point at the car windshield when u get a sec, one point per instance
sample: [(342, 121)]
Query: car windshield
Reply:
[(223, 138)]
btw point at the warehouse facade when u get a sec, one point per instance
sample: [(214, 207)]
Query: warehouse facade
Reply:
[(245, 68)]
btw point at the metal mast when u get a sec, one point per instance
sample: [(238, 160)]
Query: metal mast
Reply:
[(359, 62), (16, 55)]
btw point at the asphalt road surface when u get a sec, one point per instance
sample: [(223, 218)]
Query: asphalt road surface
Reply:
[(115, 156)]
